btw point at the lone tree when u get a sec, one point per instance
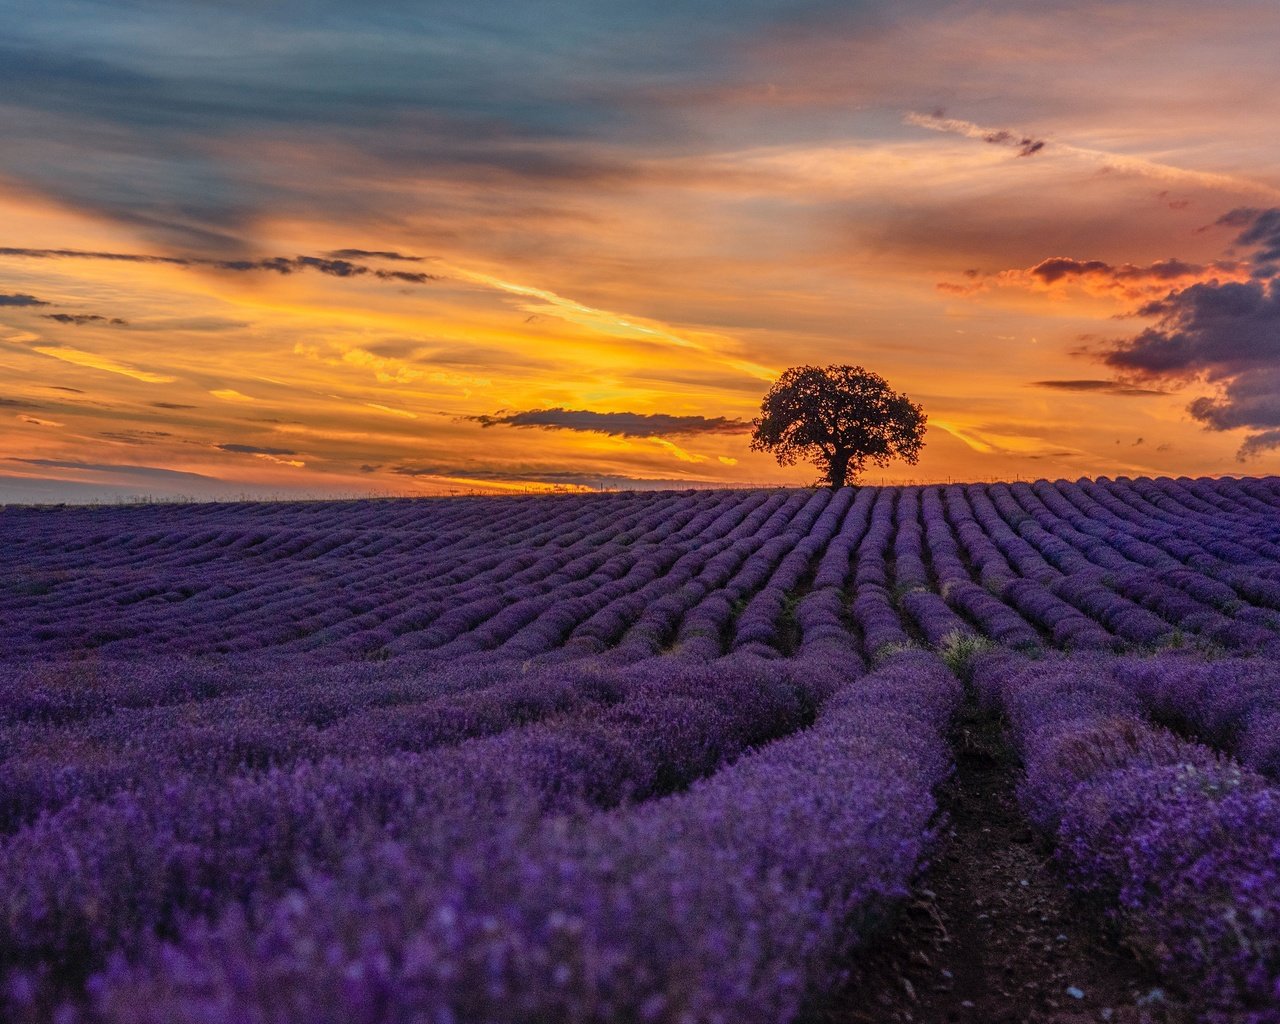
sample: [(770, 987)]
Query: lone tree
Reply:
[(839, 418)]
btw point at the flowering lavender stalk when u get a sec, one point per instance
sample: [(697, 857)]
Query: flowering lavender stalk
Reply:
[(97, 876), (735, 902), (1176, 845)]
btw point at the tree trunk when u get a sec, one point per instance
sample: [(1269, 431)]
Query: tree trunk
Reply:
[(839, 469)]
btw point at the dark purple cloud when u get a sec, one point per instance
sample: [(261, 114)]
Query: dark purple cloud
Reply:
[(1257, 444), (134, 437), (1261, 231), (80, 319), (619, 424), (1058, 268), (1108, 387), (251, 449), (545, 475), (406, 276), (1214, 330), (1249, 399), (268, 264), (21, 300), (1129, 280), (1224, 333), (1025, 145), (371, 254)]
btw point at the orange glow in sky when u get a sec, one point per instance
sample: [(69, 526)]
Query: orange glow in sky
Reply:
[(346, 256)]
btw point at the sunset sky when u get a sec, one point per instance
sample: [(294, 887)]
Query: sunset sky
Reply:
[(319, 248)]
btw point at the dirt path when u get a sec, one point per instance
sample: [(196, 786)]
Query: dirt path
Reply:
[(991, 937)]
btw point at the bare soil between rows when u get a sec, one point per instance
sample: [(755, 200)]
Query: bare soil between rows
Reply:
[(990, 935)]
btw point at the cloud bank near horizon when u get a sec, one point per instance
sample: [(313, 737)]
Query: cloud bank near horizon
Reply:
[(618, 424)]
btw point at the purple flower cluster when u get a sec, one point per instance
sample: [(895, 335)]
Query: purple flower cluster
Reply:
[(84, 878), (1232, 704), (733, 902), (285, 716), (873, 610), (293, 579), (993, 618), (822, 613), (1143, 575), (921, 605), (1140, 563), (1066, 625), (760, 626), (1178, 846), (988, 564), (648, 613), (708, 627)]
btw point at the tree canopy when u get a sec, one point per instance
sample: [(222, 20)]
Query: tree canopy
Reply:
[(840, 418)]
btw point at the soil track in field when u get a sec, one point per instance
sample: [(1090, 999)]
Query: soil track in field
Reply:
[(990, 935)]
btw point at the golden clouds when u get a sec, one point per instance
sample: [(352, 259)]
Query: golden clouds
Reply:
[(103, 363)]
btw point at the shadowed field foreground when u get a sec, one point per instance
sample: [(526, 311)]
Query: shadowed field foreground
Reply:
[(949, 753)]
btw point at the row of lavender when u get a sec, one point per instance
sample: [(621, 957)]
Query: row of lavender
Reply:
[(883, 538), (863, 574), (1173, 842), (734, 901), (1092, 565), (87, 882), (558, 868)]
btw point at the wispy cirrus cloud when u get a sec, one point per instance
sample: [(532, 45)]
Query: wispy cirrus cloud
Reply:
[(1027, 144), (618, 424), (518, 474), (93, 361), (283, 265), (474, 91), (153, 472), (1106, 387)]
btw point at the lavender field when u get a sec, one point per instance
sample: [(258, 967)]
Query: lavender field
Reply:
[(661, 757)]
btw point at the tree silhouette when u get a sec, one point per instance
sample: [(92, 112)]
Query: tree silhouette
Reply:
[(840, 418)]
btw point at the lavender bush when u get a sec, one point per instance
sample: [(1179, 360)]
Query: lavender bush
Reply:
[(1177, 845), (665, 756), (733, 902)]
